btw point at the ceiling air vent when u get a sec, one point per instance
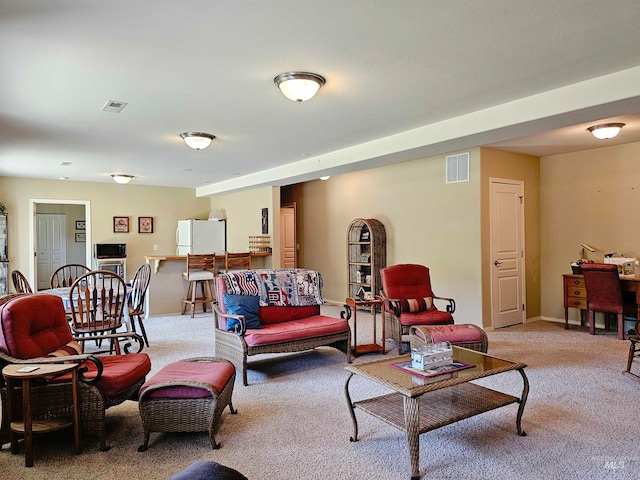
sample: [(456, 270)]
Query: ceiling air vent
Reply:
[(458, 168), (113, 106)]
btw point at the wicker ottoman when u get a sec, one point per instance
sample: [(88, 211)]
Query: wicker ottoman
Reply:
[(463, 335), (187, 396)]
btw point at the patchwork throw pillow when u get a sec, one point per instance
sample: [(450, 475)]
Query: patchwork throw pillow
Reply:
[(414, 305), (246, 305)]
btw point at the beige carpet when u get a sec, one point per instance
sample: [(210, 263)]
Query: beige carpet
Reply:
[(293, 421)]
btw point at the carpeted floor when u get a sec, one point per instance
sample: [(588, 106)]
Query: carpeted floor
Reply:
[(293, 421)]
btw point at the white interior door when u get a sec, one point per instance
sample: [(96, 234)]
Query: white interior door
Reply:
[(288, 257), (51, 246), (507, 253)]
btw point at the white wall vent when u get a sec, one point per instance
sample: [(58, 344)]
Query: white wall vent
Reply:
[(458, 168), (113, 106)]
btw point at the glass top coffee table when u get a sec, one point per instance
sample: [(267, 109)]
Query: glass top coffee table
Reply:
[(418, 404)]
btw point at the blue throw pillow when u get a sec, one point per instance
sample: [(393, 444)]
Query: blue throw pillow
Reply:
[(246, 305)]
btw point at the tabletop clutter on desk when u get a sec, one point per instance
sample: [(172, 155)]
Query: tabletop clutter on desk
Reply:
[(626, 265)]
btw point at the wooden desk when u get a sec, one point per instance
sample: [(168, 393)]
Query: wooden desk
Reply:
[(575, 294), (27, 425)]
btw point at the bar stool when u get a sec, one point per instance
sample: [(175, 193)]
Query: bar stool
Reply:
[(237, 261), (201, 270)]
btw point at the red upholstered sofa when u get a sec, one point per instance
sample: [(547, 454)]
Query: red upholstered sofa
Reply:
[(279, 312)]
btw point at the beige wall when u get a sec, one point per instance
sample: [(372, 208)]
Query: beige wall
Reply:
[(525, 168), (427, 221), (591, 197), (165, 205), (243, 211)]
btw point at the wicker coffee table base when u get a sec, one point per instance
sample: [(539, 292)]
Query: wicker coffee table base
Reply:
[(435, 409)]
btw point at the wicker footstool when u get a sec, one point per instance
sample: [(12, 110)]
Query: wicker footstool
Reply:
[(187, 396), (463, 335)]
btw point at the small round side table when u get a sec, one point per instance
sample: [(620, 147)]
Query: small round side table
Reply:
[(27, 426)]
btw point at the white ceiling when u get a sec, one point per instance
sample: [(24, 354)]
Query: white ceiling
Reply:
[(405, 78)]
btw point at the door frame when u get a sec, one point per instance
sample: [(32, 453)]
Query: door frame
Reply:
[(33, 202), (522, 259)]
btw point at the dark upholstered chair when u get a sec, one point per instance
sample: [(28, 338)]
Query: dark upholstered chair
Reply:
[(604, 294), (34, 329), (409, 300)]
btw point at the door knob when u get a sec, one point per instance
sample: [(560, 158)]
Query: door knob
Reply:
[(497, 263)]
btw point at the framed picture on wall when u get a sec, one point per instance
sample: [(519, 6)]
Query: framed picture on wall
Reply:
[(120, 224), (145, 224), (265, 221), (81, 225)]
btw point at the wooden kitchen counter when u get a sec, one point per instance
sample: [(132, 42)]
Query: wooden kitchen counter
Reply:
[(166, 288)]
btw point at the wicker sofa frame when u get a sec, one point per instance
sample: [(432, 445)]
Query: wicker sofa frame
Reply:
[(233, 347)]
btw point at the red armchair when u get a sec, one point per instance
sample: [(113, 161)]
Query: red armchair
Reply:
[(409, 300), (34, 329)]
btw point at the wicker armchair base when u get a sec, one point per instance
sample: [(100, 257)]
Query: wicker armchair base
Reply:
[(173, 414)]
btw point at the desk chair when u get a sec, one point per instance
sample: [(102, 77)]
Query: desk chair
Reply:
[(201, 270), (604, 294), (20, 283)]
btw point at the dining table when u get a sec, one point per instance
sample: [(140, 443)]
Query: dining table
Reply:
[(65, 294)]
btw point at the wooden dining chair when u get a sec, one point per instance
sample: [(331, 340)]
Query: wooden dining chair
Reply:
[(67, 274), (201, 271), (97, 305), (136, 298), (20, 282)]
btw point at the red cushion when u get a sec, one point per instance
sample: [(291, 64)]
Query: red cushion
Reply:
[(34, 326), (315, 326), (277, 313), (406, 281), (216, 374), (119, 373), (459, 333), (431, 317)]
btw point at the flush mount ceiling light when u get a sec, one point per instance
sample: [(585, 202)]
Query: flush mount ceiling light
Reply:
[(299, 86), (121, 178), (326, 177), (606, 130), (197, 140)]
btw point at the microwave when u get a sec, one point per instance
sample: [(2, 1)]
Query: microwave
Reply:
[(109, 250)]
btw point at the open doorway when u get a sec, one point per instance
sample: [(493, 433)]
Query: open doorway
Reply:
[(56, 222)]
